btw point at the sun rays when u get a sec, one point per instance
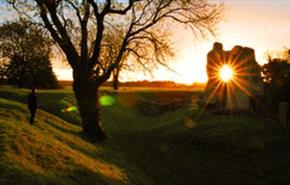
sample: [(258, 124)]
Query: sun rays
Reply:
[(226, 73), (229, 74)]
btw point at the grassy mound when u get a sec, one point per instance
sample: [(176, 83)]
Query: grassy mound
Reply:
[(52, 101), (187, 147), (180, 147), (53, 152), (207, 150)]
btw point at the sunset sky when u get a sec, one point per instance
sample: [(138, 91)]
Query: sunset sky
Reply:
[(261, 24)]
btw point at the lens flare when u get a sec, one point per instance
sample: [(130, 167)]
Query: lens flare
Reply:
[(69, 103), (226, 73), (107, 100), (189, 123), (70, 109)]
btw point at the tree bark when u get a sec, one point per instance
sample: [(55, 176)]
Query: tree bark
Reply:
[(115, 83), (86, 93), (116, 79)]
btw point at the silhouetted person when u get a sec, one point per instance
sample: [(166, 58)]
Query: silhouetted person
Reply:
[(32, 104)]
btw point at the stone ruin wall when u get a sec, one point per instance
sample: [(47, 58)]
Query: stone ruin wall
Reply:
[(247, 83)]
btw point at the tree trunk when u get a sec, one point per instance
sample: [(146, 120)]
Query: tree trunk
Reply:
[(86, 93), (116, 80), (115, 83)]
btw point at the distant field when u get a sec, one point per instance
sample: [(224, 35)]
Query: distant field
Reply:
[(148, 86), (154, 89), (55, 101), (184, 146)]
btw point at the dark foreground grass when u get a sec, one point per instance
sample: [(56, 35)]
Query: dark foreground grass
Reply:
[(190, 149), (180, 147)]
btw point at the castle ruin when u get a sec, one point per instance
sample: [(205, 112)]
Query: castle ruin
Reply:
[(240, 93)]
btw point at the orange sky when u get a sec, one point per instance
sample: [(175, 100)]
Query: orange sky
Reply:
[(261, 24)]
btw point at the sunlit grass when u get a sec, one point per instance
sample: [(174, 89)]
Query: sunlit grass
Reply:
[(51, 150), (178, 147)]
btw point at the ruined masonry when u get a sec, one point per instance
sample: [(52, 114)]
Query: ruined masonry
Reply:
[(242, 91)]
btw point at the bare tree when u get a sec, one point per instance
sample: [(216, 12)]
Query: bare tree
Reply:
[(141, 21), (111, 46), (140, 54)]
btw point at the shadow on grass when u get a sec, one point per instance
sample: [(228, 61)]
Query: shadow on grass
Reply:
[(241, 150)]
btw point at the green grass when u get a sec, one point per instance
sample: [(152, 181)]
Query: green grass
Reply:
[(181, 147), (53, 152), (191, 149), (53, 101)]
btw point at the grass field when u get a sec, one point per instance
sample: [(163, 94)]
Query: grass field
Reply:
[(180, 147)]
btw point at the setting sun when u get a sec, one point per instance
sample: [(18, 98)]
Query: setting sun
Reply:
[(226, 73)]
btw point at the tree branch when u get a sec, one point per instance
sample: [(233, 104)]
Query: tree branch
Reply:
[(109, 10), (70, 50), (55, 35)]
